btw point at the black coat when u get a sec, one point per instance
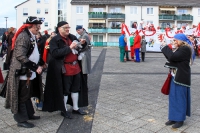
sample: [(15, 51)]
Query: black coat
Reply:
[(53, 94), (179, 60)]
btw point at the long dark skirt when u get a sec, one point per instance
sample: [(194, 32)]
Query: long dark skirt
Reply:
[(179, 102)]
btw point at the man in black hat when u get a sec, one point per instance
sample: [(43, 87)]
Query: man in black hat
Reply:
[(63, 80), (25, 66)]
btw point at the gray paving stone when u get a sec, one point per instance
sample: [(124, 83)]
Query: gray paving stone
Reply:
[(191, 130), (3, 124), (124, 118), (141, 130), (114, 130), (7, 129), (129, 100), (138, 122), (113, 123), (49, 127), (27, 130), (101, 127), (153, 126)]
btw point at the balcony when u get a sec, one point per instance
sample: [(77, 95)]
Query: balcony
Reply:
[(99, 44), (166, 17), (113, 44), (110, 30), (97, 15), (97, 30), (115, 16), (184, 17)]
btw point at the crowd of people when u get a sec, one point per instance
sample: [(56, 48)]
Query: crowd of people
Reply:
[(136, 43), (29, 53)]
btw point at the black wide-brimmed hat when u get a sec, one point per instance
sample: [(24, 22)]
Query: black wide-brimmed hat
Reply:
[(34, 20)]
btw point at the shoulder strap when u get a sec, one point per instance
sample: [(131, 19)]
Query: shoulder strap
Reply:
[(31, 48)]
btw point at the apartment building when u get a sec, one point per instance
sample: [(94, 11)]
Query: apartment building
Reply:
[(52, 10), (103, 19)]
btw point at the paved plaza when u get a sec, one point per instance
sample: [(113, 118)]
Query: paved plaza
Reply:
[(123, 98)]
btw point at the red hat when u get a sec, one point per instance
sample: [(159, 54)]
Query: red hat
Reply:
[(122, 32)]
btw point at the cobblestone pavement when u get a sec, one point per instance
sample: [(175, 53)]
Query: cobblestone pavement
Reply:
[(129, 100)]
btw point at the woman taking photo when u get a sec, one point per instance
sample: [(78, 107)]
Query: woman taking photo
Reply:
[(179, 60)]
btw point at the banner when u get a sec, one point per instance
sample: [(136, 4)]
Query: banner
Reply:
[(154, 38)]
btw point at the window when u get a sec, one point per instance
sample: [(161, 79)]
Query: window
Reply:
[(149, 22), (97, 38), (150, 10), (115, 10), (180, 11), (98, 25), (97, 9), (38, 11), (133, 24), (79, 9), (46, 11), (198, 12), (79, 22), (113, 38), (46, 24), (25, 11), (46, 1), (62, 10), (115, 25), (163, 25), (133, 10), (38, 1)]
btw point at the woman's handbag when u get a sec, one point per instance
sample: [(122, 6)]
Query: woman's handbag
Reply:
[(166, 86)]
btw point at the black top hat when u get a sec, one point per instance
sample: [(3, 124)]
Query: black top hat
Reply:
[(34, 20)]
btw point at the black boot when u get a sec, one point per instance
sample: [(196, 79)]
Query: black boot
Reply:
[(178, 124), (170, 123), (25, 124)]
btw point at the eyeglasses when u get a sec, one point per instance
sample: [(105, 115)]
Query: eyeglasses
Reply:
[(65, 28)]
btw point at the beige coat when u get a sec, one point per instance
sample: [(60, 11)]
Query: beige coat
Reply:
[(19, 57)]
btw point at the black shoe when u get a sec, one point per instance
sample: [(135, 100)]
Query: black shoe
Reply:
[(34, 117), (25, 124), (128, 60), (79, 111), (178, 124), (66, 114), (170, 123)]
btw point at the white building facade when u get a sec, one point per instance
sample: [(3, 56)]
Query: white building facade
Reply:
[(52, 10), (103, 19)]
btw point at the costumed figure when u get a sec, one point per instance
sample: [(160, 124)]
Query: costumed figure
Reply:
[(132, 36), (122, 45), (23, 80), (11, 33), (46, 54), (137, 46), (143, 47), (179, 61), (86, 59), (64, 80)]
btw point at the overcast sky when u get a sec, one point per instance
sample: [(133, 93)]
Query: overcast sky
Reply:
[(7, 8)]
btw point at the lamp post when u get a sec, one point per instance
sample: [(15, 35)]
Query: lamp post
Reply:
[(6, 22)]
